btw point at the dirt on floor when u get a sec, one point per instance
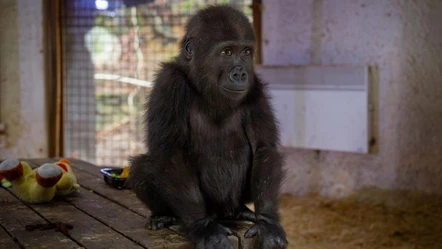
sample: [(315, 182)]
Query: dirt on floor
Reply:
[(371, 219)]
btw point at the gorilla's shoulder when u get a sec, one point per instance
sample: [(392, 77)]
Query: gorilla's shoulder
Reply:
[(170, 72), (170, 86)]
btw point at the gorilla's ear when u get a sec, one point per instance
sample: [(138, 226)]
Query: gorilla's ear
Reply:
[(188, 50)]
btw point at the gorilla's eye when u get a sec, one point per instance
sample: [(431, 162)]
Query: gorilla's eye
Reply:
[(247, 52), (227, 52)]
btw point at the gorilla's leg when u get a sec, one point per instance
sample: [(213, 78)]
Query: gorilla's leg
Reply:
[(170, 188), (141, 173)]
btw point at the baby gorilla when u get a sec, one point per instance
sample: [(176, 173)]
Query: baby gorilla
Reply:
[(212, 138)]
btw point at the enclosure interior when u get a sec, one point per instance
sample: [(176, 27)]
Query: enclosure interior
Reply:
[(385, 197)]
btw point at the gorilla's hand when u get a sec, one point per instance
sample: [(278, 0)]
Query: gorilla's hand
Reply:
[(210, 235), (270, 235)]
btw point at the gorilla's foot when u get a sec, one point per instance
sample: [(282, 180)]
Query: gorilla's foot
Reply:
[(207, 234), (243, 214), (246, 214), (156, 222)]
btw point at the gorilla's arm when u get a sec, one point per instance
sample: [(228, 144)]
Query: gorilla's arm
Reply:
[(267, 172), (167, 112), (267, 162)]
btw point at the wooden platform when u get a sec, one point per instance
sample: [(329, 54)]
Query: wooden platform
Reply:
[(101, 216)]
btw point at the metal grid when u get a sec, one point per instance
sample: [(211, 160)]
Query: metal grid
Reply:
[(111, 51)]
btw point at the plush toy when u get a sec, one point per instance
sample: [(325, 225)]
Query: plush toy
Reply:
[(41, 184), (5, 183)]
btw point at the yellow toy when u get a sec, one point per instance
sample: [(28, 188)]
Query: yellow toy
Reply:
[(41, 184)]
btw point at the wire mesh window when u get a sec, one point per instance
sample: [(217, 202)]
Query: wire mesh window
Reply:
[(111, 51)]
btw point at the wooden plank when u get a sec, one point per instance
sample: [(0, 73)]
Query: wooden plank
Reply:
[(7, 241), (87, 231), (113, 214), (124, 197), (14, 216), (87, 167)]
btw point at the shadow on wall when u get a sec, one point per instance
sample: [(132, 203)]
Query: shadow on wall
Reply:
[(419, 122)]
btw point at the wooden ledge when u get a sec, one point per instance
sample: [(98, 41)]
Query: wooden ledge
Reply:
[(102, 217)]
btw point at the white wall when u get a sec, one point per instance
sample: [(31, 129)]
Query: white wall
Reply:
[(403, 38), (22, 82)]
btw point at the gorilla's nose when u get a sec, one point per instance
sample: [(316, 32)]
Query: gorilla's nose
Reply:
[(238, 75)]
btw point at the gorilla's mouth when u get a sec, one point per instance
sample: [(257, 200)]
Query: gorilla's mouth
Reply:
[(235, 91)]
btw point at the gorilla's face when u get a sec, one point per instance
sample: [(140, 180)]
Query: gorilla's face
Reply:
[(235, 68), (220, 55)]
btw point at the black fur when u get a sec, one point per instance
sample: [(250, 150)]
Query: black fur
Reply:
[(211, 150)]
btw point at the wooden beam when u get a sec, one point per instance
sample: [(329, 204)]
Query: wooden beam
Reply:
[(54, 66), (257, 26)]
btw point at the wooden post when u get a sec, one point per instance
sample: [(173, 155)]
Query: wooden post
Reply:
[(54, 75), (257, 25)]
